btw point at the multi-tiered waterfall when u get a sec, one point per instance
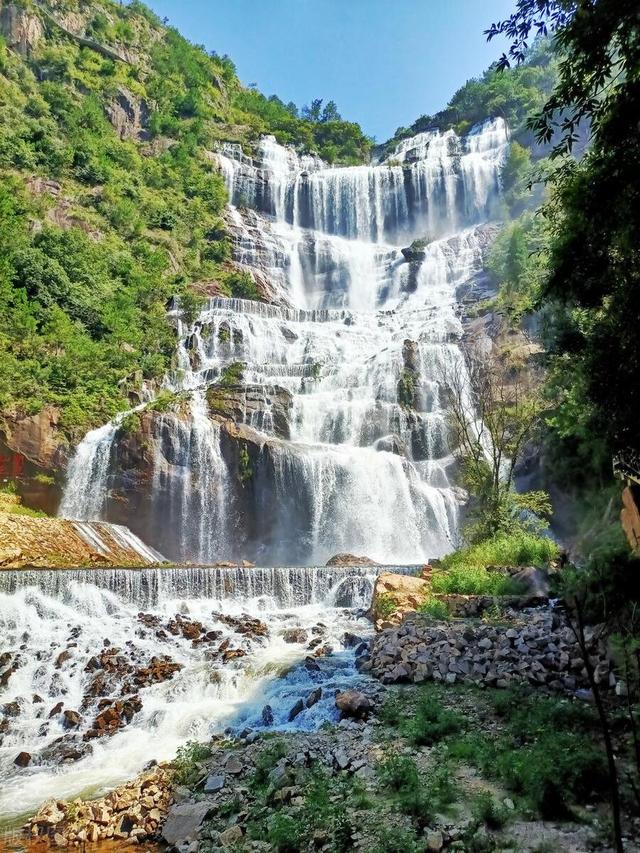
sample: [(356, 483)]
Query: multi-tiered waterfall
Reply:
[(343, 397), (334, 439)]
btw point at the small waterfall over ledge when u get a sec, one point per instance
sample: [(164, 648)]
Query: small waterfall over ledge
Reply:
[(340, 440)]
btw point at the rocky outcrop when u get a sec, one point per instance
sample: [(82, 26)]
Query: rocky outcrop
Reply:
[(350, 560), (129, 115), (265, 408), (21, 29), (394, 595), (37, 438), (56, 543), (133, 811), (535, 647), (630, 516)]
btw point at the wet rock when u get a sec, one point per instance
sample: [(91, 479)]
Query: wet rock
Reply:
[(297, 709), (294, 635), (314, 697), (62, 658), (11, 709), (72, 719), (353, 703), (350, 560), (267, 715), (22, 759)]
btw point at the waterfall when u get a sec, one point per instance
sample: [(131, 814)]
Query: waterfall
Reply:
[(342, 459)]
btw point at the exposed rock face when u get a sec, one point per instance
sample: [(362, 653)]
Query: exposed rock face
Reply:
[(538, 649), (56, 542), (267, 409), (129, 115), (394, 595), (21, 29), (350, 560), (37, 438), (630, 516)]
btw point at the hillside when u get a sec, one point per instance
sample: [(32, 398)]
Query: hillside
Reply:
[(110, 204)]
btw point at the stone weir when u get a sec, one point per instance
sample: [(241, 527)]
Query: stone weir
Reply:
[(338, 586)]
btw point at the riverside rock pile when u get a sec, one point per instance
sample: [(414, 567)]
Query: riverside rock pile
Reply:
[(133, 811), (538, 648)]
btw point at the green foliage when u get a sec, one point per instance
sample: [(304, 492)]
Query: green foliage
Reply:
[(320, 131), (548, 754), (518, 262), (240, 284), (385, 606), (487, 810), (431, 721), (165, 401), (407, 389), (421, 795), (434, 607), (244, 464), (465, 571), (232, 374), (187, 762)]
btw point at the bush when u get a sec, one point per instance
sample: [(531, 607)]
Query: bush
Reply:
[(186, 763)]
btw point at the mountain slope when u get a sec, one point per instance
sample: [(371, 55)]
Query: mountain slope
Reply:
[(109, 201)]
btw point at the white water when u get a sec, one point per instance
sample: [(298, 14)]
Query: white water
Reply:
[(44, 613), (328, 239)]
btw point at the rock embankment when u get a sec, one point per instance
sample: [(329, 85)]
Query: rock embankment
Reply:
[(28, 542), (134, 811), (535, 647)]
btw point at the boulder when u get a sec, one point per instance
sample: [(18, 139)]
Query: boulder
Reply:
[(22, 759), (214, 784), (294, 635), (297, 709), (350, 560), (353, 703), (533, 581), (72, 719), (267, 715), (183, 823), (395, 595)]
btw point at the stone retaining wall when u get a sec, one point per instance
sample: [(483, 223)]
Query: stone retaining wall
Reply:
[(537, 648)]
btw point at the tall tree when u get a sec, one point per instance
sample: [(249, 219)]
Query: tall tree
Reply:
[(592, 294)]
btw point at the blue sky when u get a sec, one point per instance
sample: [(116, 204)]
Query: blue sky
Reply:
[(384, 63)]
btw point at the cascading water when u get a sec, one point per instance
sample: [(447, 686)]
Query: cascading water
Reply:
[(343, 378), (57, 627)]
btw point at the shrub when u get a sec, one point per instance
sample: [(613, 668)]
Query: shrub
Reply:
[(232, 374), (435, 608), (487, 810), (186, 763)]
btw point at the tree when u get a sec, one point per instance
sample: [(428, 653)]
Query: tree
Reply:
[(496, 405), (313, 112), (330, 112), (592, 292)]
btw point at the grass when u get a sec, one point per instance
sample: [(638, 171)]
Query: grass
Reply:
[(547, 753), (12, 504), (438, 610), (465, 572), (431, 721)]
